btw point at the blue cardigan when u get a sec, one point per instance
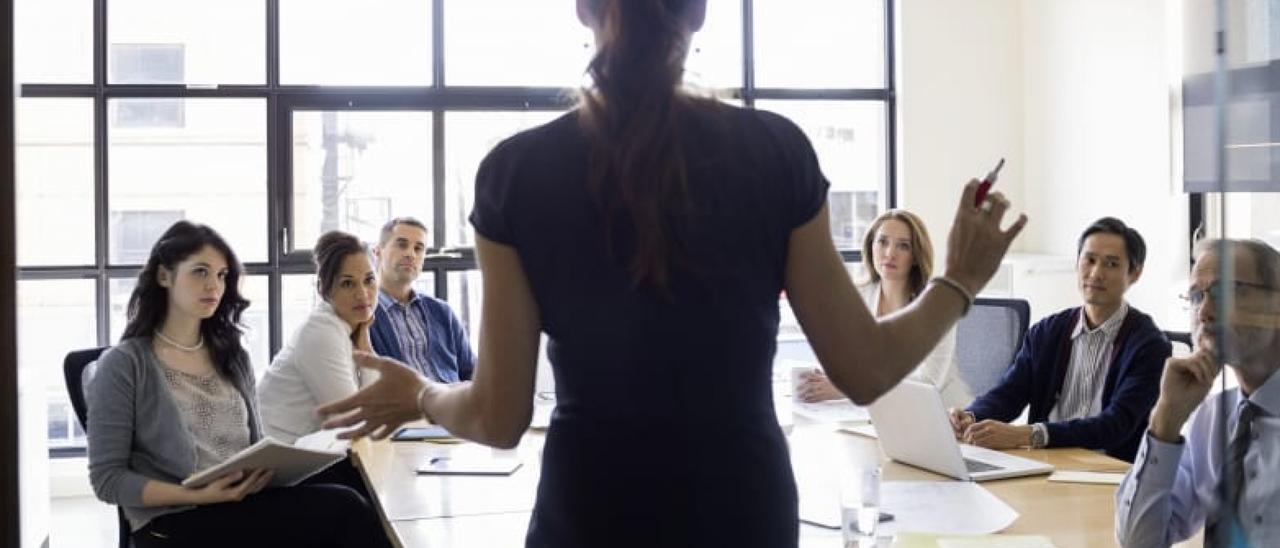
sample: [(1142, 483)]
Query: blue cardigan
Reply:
[(1035, 378), (449, 354)]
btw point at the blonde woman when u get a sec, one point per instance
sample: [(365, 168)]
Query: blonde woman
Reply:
[(898, 258)]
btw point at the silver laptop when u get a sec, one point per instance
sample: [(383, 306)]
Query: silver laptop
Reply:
[(914, 429)]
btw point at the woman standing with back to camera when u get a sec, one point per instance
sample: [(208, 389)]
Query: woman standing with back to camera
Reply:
[(649, 233)]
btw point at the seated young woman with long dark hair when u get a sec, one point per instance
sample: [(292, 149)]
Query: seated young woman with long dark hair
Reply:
[(176, 395)]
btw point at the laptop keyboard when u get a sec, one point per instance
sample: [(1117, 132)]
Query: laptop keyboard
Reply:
[(975, 466)]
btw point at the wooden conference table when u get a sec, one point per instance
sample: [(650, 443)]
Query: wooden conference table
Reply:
[(470, 511)]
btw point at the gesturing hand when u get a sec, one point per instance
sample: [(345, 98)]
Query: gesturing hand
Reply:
[(976, 244), (381, 407)]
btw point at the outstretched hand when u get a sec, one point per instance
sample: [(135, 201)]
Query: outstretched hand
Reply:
[(977, 244), (380, 408)]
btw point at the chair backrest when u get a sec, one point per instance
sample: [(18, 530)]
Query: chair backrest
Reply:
[(988, 338), (1183, 338), (73, 374)]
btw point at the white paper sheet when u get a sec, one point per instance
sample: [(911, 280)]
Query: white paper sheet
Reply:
[(997, 541), (866, 430), (930, 507), (944, 508), (541, 415), (831, 411)]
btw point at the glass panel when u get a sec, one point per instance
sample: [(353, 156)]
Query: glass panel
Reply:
[(55, 181), (715, 56), (353, 171), (53, 41), (166, 42), (299, 297), (825, 44), (255, 321), (119, 290), (153, 182), (849, 138), (55, 317), (514, 42), (1253, 215), (468, 138), (337, 42), (466, 294)]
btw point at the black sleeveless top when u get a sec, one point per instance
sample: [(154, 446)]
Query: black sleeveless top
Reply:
[(664, 432)]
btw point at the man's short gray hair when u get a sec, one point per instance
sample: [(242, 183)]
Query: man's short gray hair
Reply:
[(1265, 257)]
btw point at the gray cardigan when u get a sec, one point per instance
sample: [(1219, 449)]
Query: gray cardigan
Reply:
[(136, 432)]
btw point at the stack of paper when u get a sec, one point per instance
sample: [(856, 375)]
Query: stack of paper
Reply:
[(1084, 476)]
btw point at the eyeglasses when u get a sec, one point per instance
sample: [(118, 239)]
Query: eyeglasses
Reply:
[(1241, 291)]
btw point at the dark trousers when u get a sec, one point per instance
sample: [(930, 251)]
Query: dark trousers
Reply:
[(307, 515)]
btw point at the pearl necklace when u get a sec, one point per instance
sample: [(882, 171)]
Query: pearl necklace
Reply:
[(199, 344)]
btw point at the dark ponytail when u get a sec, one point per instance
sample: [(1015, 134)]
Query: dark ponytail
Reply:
[(631, 117)]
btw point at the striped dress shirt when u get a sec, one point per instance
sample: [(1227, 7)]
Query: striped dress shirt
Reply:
[(1087, 370), (410, 332)]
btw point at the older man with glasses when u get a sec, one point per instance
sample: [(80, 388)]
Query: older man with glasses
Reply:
[(1225, 474)]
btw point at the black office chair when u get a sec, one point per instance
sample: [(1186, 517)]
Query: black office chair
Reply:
[(73, 373), (1181, 337), (988, 338)]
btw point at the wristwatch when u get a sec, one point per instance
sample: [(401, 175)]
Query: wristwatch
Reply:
[(1039, 436)]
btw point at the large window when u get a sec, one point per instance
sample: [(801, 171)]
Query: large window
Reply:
[(275, 120)]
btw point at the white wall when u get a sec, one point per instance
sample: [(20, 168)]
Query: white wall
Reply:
[(1077, 94), (960, 108), (1098, 134)]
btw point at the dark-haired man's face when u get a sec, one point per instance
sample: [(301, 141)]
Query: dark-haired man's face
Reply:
[(1102, 270)]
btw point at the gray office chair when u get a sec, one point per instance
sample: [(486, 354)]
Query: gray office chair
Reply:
[(77, 369), (987, 339), (1183, 338)]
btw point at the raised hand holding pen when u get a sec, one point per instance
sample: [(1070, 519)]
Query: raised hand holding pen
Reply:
[(985, 186)]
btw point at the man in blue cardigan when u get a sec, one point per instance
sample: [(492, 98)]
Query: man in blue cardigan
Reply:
[(1090, 374), (416, 329)]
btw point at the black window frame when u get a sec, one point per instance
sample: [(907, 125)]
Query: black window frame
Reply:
[(439, 98)]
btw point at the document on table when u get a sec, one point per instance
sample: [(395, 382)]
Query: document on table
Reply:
[(831, 411), (1084, 476), (944, 508), (920, 540), (866, 430)]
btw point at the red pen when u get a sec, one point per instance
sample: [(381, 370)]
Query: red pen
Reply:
[(985, 186)]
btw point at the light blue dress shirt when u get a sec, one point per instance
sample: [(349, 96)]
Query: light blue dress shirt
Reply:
[(1173, 488)]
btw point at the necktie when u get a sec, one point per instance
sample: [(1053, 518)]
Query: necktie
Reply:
[(1235, 455), (1233, 483)]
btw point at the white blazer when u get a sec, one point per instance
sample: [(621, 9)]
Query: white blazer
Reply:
[(939, 367), (315, 367)]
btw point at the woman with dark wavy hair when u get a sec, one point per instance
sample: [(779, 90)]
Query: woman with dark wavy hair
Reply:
[(649, 233), (176, 396)]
